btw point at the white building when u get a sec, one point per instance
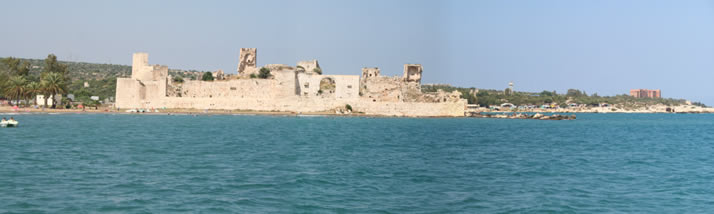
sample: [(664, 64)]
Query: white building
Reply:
[(41, 100)]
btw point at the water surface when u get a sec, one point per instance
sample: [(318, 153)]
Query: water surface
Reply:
[(645, 163)]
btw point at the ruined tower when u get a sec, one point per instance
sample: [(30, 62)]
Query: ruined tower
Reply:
[(369, 72), (308, 66), (247, 61), (412, 73), (139, 64)]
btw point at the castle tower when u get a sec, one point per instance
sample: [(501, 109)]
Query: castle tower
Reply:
[(140, 68), (369, 73), (247, 61), (412, 73)]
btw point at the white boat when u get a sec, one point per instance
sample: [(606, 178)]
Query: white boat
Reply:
[(9, 123)]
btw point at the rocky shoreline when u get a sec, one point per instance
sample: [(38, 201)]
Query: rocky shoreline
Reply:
[(536, 116), (691, 109)]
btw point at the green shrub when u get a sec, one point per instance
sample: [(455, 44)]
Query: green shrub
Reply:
[(348, 107), (264, 73), (208, 76), (317, 70), (178, 79)]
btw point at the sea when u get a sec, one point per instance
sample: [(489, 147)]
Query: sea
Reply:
[(598, 163)]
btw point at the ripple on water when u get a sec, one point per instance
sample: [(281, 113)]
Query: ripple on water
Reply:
[(74, 163)]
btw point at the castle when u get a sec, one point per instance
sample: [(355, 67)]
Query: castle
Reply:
[(302, 88)]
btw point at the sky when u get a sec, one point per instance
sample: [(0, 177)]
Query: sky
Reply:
[(606, 46)]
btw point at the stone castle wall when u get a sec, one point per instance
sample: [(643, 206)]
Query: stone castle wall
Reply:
[(283, 85), (288, 89)]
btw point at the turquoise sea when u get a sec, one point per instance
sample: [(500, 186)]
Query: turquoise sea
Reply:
[(599, 163)]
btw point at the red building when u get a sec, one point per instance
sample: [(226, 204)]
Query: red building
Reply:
[(646, 93)]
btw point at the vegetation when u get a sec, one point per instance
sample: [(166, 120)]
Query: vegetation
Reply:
[(208, 76), (264, 73), (32, 89), (23, 79), (466, 93), (496, 97), (52, 84), (348, 107), (15, 68), (327, 85), (15, 88), (100, 77), (300, 69), (19, 81)]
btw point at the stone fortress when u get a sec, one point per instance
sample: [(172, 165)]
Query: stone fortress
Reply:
[(302, 89)]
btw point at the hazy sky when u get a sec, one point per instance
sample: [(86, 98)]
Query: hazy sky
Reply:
[(608, 47)]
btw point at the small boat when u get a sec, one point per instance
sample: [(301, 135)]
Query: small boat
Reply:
[(9, 123)]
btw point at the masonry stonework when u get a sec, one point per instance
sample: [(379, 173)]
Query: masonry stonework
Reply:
[(247, 61), (293, 89)]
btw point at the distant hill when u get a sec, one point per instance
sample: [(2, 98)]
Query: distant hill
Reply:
[(101, 77)]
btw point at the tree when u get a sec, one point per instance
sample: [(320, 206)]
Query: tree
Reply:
[(52, 84), (54, 78), (53, 66), (3, 80), (32, 90), (317, 70), (24, 69), (12, 64), (546, 94), (16, 88), (264, 73), (208, 76), (507, 91), (178, 79)]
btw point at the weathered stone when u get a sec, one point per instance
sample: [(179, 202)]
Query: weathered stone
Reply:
[(308, 66), (288, 89), (412, 73), (247, 61)]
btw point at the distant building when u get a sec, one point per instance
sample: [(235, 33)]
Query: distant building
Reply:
[(51, 101), (96, 98), (641, 93), (86, 84)]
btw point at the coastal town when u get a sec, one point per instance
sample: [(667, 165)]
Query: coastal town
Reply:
[(303, 88)]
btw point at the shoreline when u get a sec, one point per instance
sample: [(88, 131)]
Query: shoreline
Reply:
[(686, 109), (9, 110)]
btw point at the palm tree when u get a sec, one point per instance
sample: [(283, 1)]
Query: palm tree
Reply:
[(16, 88), (52, 84), (32, 89)]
